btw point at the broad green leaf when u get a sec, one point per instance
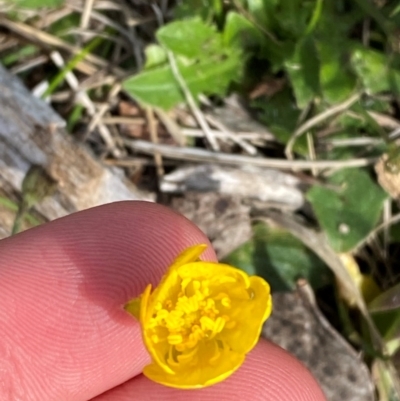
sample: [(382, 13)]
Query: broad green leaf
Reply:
[(204, 62), (374, 71), (258, 9), (388, 323), (280, 114), (158, 86), (337, 81), (280, 258), (303, 71), (293, 16), (206, 9), (240, 29), (155, 56), (279, 111), (191, 38), (337, 77), (349, 213)]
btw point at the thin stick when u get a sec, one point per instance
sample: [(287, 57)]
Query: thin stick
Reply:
[(317, 120), (387, 214), (248, 136), (247, 147), (123, 120), (104, 107), (90, 66), (202, 155), (87, 9), (172, 127), (83, 98), (389, 222), (152, 124), (29, 64), (311, 151), (339, 143), (191, 102)]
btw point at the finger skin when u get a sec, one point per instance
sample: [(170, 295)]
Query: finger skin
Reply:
[(63, 332), (268, 374)]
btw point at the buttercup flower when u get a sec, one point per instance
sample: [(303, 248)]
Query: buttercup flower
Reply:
[(200, 321)]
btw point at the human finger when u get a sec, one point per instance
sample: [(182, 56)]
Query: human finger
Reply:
[(63, 332), (268, 374)]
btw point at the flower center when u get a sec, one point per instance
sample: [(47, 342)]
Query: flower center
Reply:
[(195, 314)]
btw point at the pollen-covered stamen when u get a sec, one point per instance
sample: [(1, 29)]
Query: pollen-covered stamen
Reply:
[(194, 316)]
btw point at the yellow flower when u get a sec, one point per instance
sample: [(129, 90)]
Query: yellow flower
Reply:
[(200, 321)]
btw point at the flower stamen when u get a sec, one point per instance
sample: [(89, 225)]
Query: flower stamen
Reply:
[(194, 316)]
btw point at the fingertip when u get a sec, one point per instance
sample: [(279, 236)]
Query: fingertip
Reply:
[(269, 373), (66, 283)]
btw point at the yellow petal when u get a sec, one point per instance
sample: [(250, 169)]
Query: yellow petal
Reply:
[(200, 321), (249, 316), (199, 376), (166, 288), (211, 270), (144, 303), (134, 306), (190, 254), (365, 283), (262, 295)]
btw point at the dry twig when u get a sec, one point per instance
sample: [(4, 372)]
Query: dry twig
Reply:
[(312, 122), (191, 102), (152, 124), (202, 155)]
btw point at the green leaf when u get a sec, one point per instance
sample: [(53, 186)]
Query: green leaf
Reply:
[(279, 111), (38, 3), (19, 54), (240, 29), (388, 300), (191, 38), (158, 86), (13, 206), (259, 10), (204, 62), (59, 78), (316, 16), (206, 9), (374, 71), (155, 56), (280, 258), (280, 114), (303, 71), (388, 323), (385, 381), (337, 81), (347, 214), (293, 16)]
